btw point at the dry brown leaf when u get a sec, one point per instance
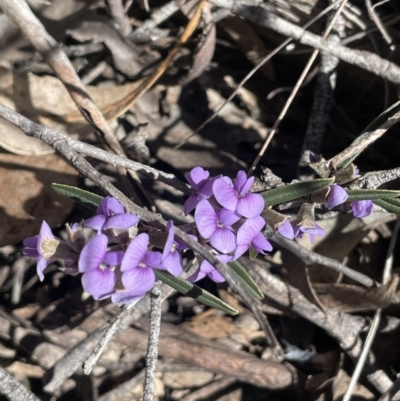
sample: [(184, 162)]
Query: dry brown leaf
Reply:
[(27, 198), (341, 384), (353, 298), (45, 100)]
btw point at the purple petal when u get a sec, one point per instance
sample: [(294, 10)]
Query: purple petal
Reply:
[(286, 230), (138, 280), (240, 250), (33, 253), (260, 244), (31, 242), (110, 206), (99, 283), (227, 217), (135, 252), (95, 222), (216, 276), (113, 258), (45, 232), (240, 181), (196, 176), (153, 260), (198, 275), (173, 263), (170, 238), (337, 196), (206, 219), (124, 297), (41, 265), (316, 230), (206, 190), (250, 205), (121, 221), (249, 230), (224, 240), (225, 194), (314, 158), (93, 253), (362, 208), (190, 203)]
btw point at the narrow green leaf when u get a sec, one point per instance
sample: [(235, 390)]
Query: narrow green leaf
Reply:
[(290, 192), (372, 194), (391, 205), (248, 282), (85, 198), (187, 288)]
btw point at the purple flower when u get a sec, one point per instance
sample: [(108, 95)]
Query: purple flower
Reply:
[(98, 267), (291, 230), (207, 269), (138, 264), (199, 179), (250, 235), (171, 258), (43, 248), (122, 297), (362, 208), (314, 158), (286, 230), (235, 197), (111, 215), (337, 196), (216, 226)]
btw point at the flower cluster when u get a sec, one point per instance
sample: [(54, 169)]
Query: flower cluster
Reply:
[(118, 259), (227, 216), (117, 262)]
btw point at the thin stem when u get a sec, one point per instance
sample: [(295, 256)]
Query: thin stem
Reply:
[(387, 272), (294, 91), (152, 347)]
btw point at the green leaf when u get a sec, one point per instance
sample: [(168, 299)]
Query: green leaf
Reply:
[(194, 291), (85, 198), (372, 194), (391, 204), (253, 253), (290, 192), (247, 281), (383, 117)]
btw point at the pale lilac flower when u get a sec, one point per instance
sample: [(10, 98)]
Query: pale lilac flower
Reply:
[(235, 197), (207, 269), (286, 230), (171, 258), (291, 230), (249, 235), (43, 248), (111, 215), (216, 226), (123, 297), (199, 179), (337, 196), (362, 208), (138, 264), (98, 267)]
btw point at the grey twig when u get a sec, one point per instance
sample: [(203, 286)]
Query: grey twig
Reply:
[(115, 324), (387, 274), (375, 179), (13, 390), (363, 59), (378, 22), (312, 258), (250, 74), (322, 104), (121, 20), (66, 366), (152, 346), (296, 88)]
